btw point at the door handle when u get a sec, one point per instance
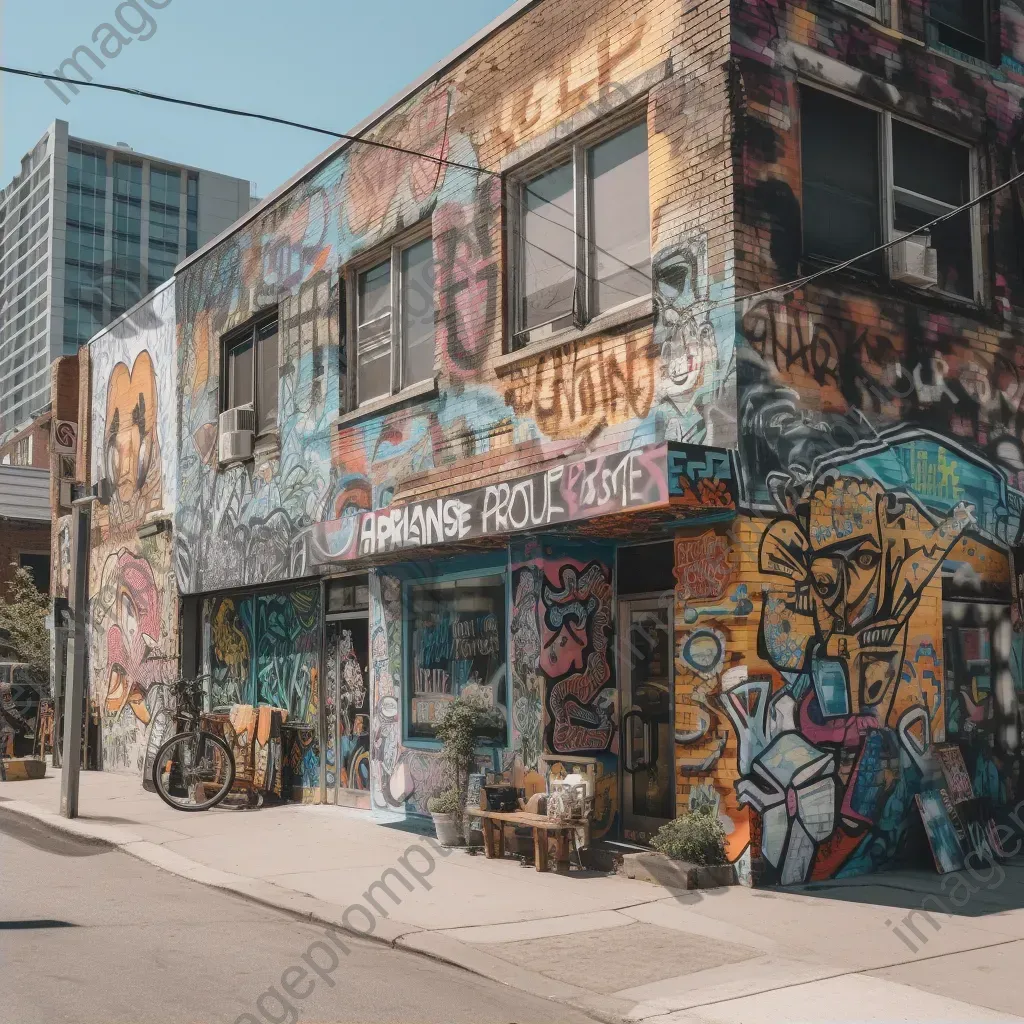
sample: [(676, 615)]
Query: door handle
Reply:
[(649, 753), (629, 764)]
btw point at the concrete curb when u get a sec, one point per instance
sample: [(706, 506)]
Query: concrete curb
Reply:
[(434, 946)]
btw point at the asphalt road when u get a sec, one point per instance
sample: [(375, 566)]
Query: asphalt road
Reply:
[(90, 935)]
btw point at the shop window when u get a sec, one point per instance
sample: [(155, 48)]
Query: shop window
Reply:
[(582, 233), (868, 175), (456, 632), (960, 25), (394, 303), (251, 376)]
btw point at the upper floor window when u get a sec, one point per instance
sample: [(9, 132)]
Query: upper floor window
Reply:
[(394, 310), (582, 231), (962, 25), (868, 175), (250, 371), (871, 7)]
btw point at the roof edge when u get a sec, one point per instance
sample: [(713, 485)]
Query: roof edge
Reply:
[(518, 8)]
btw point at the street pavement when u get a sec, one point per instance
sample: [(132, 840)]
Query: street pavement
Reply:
[(92, 936), (896, 946)]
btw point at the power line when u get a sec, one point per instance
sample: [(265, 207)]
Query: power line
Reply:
[(144, 94), (802, 282), (788, 286)]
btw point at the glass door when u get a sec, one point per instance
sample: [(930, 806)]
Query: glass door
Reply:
[(646, 754), (348, 712)]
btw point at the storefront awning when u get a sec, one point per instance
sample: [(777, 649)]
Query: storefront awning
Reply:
[(664, 482)]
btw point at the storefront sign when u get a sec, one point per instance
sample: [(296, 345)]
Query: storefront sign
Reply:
[(658, 475)]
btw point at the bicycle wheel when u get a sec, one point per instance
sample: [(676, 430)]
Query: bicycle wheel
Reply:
[(193, 771)]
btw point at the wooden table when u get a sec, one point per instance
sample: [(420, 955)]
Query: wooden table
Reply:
[(493, 826)]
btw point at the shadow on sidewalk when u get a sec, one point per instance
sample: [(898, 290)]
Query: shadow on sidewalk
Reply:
[(981, 891)]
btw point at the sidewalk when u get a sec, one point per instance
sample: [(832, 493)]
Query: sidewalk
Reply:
[(611, 946)]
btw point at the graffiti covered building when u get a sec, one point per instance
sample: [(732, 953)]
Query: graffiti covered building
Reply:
[(531, 399), (130, 372)]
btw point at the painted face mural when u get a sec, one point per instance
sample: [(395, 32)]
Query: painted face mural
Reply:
[(132, 606), (132, 458), (821, 758)]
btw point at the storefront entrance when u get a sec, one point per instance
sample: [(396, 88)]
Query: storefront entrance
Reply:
[(348, 712), (347, 692), (645, 695)]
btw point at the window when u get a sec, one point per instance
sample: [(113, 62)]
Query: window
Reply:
[(868, 175), (39, 569), (394, 305), (864, 6), (582, 235), (251, 374), (456, 646), (961, 25)]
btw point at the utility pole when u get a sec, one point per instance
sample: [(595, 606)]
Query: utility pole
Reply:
[(78, 592)]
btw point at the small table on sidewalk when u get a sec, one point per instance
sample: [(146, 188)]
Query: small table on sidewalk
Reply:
[(493, 826)]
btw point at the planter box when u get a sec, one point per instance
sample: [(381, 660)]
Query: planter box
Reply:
[(19, 769), (675, 874)]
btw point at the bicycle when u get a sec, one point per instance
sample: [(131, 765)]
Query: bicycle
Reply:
[(192, 761)]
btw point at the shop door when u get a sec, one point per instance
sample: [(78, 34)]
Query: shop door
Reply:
[(646, 755), (348, 712)]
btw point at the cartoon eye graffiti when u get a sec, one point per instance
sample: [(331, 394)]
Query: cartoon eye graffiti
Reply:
[(867, 559)]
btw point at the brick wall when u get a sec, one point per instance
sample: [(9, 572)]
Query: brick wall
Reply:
[(559, 68)]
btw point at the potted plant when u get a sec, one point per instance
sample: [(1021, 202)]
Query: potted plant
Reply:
[(445, 809), (457, 727)]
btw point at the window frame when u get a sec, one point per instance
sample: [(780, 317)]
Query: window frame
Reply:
[(869, 8), (249, 332), (990, 41), (389, 252), (887, 189), (485, 569), (574, 150)]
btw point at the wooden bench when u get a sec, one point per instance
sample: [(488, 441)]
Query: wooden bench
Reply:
[(493, 827)]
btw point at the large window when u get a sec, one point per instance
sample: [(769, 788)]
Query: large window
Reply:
[(582, 234), (394, 305), (868, 175), (456, 646), (251, 375)]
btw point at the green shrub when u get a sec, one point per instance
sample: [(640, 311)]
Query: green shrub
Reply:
[(448, 802), (698, 837)]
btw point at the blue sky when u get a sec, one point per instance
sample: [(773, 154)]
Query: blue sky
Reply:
[(325, 62)]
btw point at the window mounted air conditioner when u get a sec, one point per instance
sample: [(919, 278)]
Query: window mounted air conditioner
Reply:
[(237, 430), (915, 262)]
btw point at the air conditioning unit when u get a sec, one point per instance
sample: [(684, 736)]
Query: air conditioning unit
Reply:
[(915, 262), (237, 428)]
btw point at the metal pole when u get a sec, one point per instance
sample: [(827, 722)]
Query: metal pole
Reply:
[(74, 693)]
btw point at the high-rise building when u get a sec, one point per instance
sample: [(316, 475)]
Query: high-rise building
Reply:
[(85, 231)]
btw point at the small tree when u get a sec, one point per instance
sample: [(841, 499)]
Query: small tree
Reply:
[(457, 727), (23, 611)]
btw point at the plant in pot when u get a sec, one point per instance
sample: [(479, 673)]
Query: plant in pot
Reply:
[(457, 728)]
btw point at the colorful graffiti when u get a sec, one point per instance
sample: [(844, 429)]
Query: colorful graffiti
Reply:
[(347, 754), (264, 651), (133, 609)]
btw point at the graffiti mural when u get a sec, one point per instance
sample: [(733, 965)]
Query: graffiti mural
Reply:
[(346, 699), (263, 650), (133, 608)]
